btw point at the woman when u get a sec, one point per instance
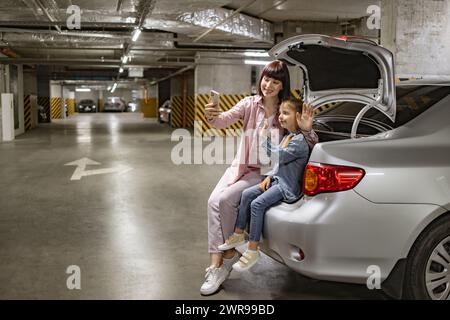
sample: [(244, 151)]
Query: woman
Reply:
[(273, 88)]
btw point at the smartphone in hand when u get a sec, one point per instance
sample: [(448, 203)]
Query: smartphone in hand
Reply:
[(215, 98)]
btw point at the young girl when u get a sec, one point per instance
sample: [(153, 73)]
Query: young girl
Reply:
[(283, 182), (273, 87)]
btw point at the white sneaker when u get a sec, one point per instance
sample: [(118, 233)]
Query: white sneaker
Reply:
[(228, 263), (232, 242), (214, 278), (247, 260)]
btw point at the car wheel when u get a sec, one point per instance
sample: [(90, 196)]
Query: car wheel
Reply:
[(428, 266)]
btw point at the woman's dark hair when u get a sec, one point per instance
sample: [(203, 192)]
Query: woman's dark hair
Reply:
[(277, 70)]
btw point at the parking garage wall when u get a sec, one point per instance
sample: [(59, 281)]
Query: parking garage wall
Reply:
[(416, 31), (293, 28)]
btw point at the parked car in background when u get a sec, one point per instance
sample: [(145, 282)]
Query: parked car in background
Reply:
[(115, 104), (86, 105), (375, 209), (164, 112)]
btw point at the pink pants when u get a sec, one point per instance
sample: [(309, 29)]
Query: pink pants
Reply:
[(223, 204)]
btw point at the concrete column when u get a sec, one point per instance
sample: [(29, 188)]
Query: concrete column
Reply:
[(69, 99), (71, 102), (101, 101), (226, 74), (2, 90), (43, 85), (63, 104), (7, 78), (149, 103), (175, 86), (7, 110), (20, 96), (416, 31), (56, 105), (223, 75), (30, 99), (296, 77)]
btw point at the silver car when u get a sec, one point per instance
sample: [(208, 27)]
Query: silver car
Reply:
[(115, 104), (376, 209)]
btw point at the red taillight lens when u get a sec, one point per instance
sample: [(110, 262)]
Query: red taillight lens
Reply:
[(320, 178)]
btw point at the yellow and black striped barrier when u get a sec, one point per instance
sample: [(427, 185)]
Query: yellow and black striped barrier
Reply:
[(27, 112), (55, 108), (177, 112), (296, 93), (70, 106), (227, 101), (324, 108)]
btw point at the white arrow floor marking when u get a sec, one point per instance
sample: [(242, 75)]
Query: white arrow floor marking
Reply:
[(81, 171)]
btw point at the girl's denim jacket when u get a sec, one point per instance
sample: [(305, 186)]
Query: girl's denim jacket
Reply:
[(289, 163)]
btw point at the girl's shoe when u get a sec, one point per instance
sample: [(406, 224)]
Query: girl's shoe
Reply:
[(247, 260), (233, 241)]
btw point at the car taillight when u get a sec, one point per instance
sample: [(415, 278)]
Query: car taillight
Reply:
[(320, 178)]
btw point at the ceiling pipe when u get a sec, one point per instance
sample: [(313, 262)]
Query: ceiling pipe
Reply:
[(219, 46), (44, 9), (249, 3), (145, 7), (90, 34)]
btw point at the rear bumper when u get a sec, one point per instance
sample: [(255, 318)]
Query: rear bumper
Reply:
[(86, 109), (342, 234), (112, 108)]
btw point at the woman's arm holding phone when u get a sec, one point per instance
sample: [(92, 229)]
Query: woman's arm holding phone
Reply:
[(221, 119)]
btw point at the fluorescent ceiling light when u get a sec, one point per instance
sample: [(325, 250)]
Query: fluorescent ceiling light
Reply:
[(257, 62), (83, 89), (255, 54), (124, 59), (136, 34), (114, 87), (120, 70)]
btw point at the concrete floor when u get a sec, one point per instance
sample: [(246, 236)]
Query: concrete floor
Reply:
[(135, 235)]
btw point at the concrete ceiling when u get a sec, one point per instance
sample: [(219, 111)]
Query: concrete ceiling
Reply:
[(307, 10), (35, 32)]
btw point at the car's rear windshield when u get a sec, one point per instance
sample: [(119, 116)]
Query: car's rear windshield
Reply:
[(411, 102), (86, 101)]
